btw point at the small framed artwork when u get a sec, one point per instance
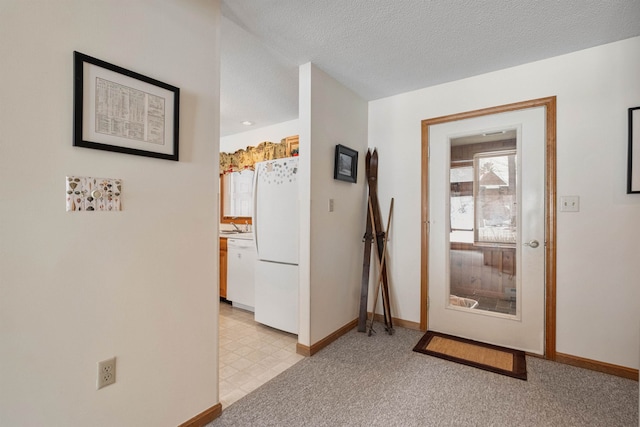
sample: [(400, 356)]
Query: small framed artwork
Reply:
[(346, 164), (633, 168), (119, 110), (293, 145)]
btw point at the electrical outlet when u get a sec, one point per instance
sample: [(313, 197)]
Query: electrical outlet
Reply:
[(106, 372), (330, 205)]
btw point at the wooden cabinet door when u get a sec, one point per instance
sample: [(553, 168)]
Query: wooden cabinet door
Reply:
[(223, 267)]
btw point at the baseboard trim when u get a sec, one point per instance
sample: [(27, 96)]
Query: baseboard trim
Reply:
[(567, 359), (303, 350), (310, 351), (396, 322), (594, 365), (205, 417)]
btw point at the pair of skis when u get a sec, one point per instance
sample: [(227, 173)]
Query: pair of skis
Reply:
[(375, 234)]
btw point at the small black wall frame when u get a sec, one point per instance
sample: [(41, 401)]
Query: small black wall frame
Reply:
[(346, 164), (633, 167)]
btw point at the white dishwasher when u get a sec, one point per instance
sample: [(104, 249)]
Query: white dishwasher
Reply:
[(241, 260)]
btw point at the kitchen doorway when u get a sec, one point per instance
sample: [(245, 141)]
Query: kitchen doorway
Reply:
[(250, 354)]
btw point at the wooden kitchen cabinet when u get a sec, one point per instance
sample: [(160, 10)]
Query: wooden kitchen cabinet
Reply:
[(223, 267)]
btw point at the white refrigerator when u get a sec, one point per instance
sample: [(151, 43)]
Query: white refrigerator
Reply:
[(275, 226)]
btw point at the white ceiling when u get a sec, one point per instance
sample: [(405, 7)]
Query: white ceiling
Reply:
[(380, 48)]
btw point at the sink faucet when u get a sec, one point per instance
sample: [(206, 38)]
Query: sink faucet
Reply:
[(236, 227)]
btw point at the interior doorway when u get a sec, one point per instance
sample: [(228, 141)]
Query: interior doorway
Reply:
[(475, 176)]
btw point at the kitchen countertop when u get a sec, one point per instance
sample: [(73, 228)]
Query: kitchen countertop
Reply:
[(236, 235)]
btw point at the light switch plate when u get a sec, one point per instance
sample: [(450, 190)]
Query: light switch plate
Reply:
[(93, 194), (570, 203)]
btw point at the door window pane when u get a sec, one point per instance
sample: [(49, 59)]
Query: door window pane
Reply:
[(461, 203), (483, 212), (495, 201)]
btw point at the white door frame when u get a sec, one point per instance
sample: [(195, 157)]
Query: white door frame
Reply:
[(550, 210)]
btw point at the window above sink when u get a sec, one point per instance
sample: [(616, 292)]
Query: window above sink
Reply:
[(236, 194)]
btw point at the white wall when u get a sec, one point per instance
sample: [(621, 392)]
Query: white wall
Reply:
[(140, 284), (331, 114), (304, 267), (598, 265), (273, 133)]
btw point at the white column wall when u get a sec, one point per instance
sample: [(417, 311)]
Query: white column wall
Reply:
[(304, 107), (598, 265), (80, 287), (331, 114)]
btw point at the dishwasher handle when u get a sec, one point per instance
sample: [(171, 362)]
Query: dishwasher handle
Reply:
[(239, 244)]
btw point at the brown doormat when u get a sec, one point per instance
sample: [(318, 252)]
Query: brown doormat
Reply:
[(489, 357)]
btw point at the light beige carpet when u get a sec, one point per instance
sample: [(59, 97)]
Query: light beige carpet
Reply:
[(377, 381)]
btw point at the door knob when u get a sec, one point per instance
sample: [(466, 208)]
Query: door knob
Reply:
[(533, 244)]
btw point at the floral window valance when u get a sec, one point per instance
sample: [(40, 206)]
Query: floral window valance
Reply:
[(246, 158)]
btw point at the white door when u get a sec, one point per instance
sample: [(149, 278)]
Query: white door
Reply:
[(276, 287), (486, 228), (275, 210)]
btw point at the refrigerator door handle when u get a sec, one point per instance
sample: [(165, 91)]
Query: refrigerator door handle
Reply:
[(254, 219)]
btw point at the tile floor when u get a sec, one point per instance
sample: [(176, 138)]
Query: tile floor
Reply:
[(250, 353)]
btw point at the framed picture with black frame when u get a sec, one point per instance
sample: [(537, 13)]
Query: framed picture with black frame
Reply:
[(116, 109), (633, 168), (346, 164)]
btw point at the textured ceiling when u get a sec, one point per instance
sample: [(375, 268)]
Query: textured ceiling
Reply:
[(380, 48)]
